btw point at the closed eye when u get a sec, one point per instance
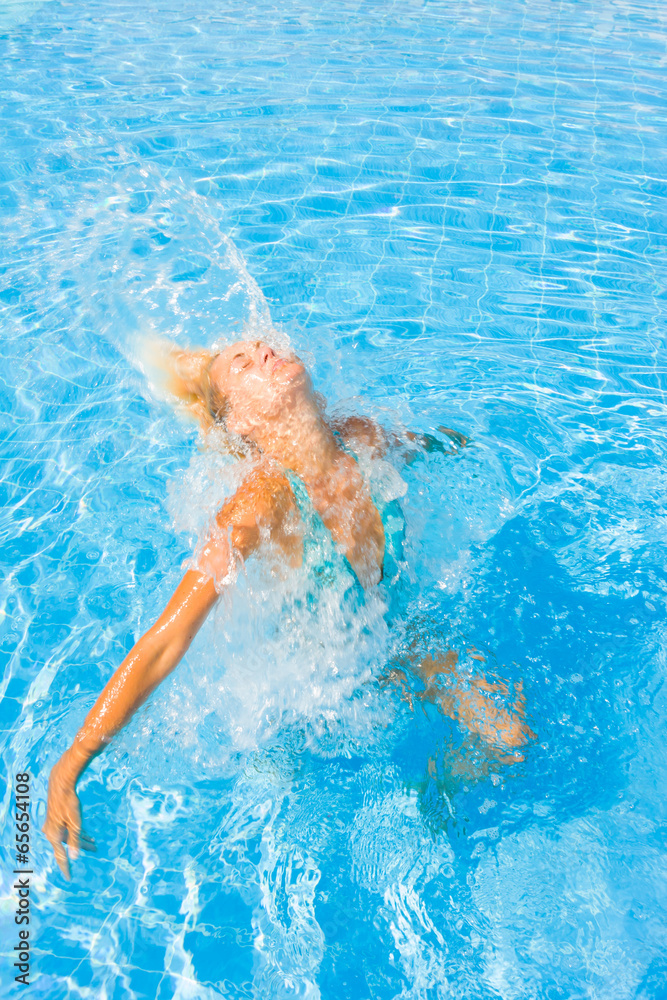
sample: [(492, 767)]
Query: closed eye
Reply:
[(246, 363)]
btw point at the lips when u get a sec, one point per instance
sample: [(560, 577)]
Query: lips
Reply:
[(278, 363), (290, 366)]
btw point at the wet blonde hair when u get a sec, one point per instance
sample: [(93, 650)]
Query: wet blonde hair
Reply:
[(188, 379), (185, 375)]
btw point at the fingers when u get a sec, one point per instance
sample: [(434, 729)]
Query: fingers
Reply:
[(87, 843), (73, 831), (73, 843), (55, 839), (460, 439), (67, 832), (431, 444), (62, 860)]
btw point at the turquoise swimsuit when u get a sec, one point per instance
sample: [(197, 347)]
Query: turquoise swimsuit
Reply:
[(321, 555)]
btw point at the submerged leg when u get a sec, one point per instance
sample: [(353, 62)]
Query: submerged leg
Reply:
[(470, 700)]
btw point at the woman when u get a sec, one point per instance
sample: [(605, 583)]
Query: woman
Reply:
[(267, 400)]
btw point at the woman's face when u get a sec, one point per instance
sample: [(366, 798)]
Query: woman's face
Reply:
[(257, 383)]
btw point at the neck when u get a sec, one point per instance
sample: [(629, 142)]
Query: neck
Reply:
[(301, 441)]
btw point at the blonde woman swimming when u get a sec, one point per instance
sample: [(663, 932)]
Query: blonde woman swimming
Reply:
[(296, 457)]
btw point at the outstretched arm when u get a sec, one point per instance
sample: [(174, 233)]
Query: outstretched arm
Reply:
[(363, 431), (261, 501), (153, 657)]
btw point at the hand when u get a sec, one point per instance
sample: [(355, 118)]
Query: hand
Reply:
[(63, 819), (460, 440), (431, 444)]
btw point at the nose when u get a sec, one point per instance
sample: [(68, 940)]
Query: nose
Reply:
[(264, 352)]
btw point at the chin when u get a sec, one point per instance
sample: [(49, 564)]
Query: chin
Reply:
[(292, 373), (291, 385)]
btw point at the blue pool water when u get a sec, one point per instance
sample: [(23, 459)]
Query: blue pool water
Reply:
[(456, 213)]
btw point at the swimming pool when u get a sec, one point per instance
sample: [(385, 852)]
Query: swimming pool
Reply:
[(456, 213)]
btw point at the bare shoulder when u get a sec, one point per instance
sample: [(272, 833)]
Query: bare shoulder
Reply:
[(262, 507), (264, 498)]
